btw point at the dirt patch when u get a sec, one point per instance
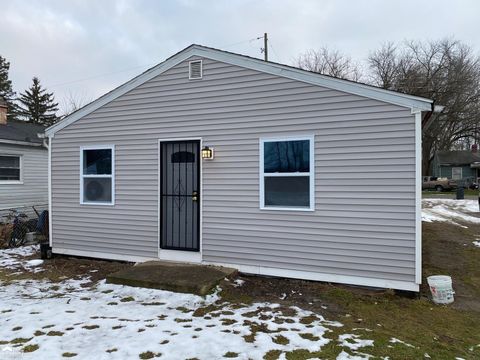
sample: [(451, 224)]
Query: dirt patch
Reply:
[(62, 267), (448, 250), (308, 295)]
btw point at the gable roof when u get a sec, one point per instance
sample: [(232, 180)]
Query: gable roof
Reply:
[(460, 157), (409, 101), (21, 133)]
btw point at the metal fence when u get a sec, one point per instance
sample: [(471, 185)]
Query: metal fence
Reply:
[(23, 225)]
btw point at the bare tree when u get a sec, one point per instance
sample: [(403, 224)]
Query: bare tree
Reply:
[(446, 71), (329, 62), (72, 102), (384, 65)]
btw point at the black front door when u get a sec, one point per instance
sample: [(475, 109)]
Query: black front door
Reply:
[(180, 195)]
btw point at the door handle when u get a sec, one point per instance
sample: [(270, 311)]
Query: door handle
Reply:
[(195, 196)]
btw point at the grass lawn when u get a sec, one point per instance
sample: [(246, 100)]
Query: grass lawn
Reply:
[(256, 317), (443, 332), (469, 194)]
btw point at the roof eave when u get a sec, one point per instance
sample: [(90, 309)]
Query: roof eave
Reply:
[(22, 143)]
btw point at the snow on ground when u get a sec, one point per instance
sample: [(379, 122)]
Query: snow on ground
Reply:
[(104, 321), (448, 210), (13, 259)]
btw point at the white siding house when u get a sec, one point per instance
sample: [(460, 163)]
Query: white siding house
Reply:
[(23, 167), (310, 176)]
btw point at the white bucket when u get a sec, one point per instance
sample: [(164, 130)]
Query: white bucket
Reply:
[(441, 289)]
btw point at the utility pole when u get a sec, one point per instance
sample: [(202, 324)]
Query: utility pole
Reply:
[(265, 44)]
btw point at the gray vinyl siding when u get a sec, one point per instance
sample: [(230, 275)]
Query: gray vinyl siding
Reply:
[(364, 218), (34, 190)]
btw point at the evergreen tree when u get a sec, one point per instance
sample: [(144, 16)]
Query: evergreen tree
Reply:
[(6, 90), (37, 105)]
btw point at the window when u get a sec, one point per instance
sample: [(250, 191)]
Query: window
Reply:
[(457, 173), (287, 174), (10, 168), (97, 180)]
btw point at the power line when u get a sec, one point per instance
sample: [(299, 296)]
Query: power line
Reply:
[(273, 49), (100, 75), (138, 67), (241, 42)]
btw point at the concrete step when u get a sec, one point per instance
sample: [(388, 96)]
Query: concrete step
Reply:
[(171, 276)]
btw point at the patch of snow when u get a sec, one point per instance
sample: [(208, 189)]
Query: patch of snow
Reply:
[(426, 355), (14, 259), (476, 243), (395, 340), (346, 356), (92, 320), (283, 296), (238, 282), (353, 342), (33, 263), (448, 210)]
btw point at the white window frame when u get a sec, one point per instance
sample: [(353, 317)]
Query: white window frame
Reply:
[(461, 172), (310, 174), (112, 175), (20, 180), (190, 70)]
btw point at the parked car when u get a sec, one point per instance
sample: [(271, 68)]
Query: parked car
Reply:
[(438, 184)]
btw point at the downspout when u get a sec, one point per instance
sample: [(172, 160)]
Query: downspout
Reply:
[(45, 142)]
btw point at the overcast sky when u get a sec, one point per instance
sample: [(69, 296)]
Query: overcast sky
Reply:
[(88, 47)]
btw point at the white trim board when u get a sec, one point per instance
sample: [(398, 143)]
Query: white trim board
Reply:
[(307, 275), (413, 102), (101, 255), (21, 143), (418, 197), (50, 226), (260, 270)]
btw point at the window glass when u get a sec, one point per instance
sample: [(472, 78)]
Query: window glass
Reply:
[(97, 162), (287, 191), (97, 189), (457, 173), (10, 168), (286, 156)]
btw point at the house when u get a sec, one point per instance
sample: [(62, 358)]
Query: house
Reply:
[(462, 165), (217, 158), (23, 164)]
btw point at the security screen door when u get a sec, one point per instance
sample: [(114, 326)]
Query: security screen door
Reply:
[(180, 195)]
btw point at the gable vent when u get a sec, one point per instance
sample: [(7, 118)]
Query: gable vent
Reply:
[(195, 69)]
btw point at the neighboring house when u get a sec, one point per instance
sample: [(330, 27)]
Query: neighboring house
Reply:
[(309, 176), (463, 165), (23, 165)]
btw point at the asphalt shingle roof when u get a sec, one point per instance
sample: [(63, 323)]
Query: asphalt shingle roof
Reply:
[(21, 131), (460, 157)]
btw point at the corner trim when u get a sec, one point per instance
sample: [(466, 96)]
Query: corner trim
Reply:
[(418, 197), (50, 226)]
